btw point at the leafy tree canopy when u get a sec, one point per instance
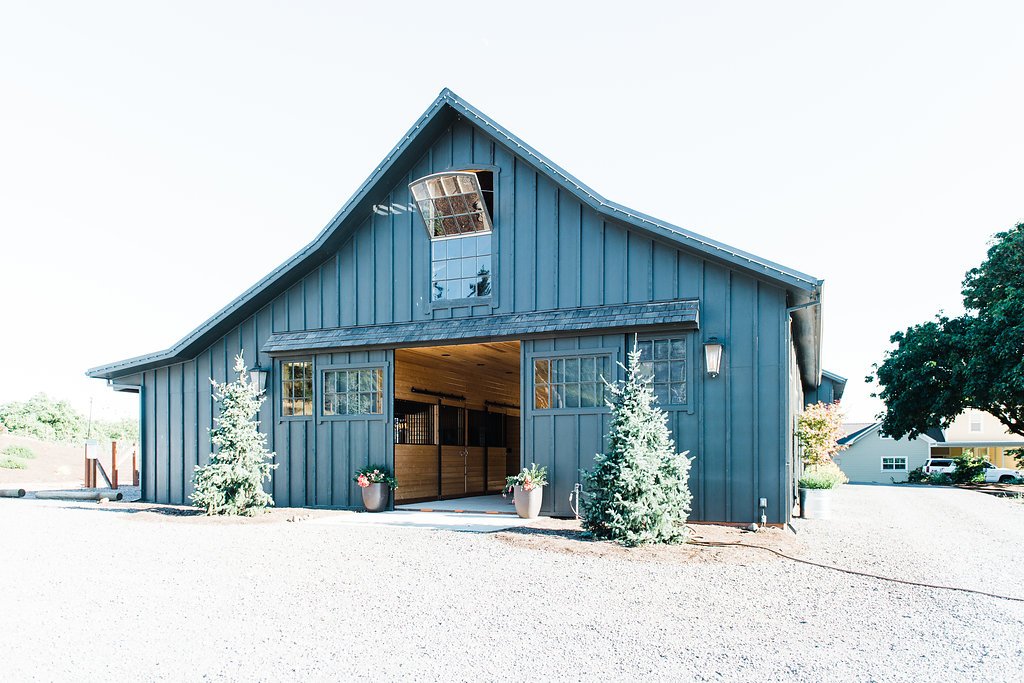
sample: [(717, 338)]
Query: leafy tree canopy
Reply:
[(50, 419), (942, 367)]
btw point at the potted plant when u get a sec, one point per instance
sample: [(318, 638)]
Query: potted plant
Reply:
[(816, 486), (527, 489), (818, 430), (376, 483)]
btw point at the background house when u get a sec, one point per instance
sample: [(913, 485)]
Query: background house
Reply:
[(455, 320), (872, 457)]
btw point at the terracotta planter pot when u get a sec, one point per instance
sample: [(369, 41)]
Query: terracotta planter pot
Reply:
[(375, 497), (816, 503), (528, 502)]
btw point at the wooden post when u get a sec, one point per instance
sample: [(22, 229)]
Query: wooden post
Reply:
[(113, 464), (135, 465), (92, 472), (86, 460)]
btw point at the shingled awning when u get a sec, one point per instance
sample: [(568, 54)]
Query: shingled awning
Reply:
[(491, 328)]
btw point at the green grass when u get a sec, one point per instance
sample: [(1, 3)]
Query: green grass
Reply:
[(9, 463), (18, 452)]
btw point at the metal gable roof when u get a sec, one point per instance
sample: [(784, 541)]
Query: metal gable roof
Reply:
[(439, 115)]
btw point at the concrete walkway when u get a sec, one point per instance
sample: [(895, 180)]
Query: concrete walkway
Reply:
[(494, 505), (446, 520)]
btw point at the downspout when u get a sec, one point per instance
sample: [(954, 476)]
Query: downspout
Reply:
[(790, 353)]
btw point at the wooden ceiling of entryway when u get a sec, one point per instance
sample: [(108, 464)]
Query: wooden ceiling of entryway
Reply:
[(488, 371)]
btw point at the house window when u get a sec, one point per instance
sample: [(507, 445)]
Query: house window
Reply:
[(663, 359), (975, 422), (414, 423), (296, 388), (455, 203), (353, 392), (894, 464), (569, 382), (461, 267)]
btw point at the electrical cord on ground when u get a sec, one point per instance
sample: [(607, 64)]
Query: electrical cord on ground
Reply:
[(713, 544)]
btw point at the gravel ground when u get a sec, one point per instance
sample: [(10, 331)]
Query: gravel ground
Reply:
[(91, 591)]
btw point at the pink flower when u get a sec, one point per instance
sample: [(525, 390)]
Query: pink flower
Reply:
[(363, 481)]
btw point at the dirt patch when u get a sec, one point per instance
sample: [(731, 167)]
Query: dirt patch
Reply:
[(156, 512), (566, 536), (59, 462), (999, 490)]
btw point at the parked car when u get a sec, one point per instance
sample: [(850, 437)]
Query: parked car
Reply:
[(993, 474), (1003, 475), (939, 466)]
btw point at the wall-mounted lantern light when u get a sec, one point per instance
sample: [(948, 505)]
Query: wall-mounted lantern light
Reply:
[(258, 378), (713, 356)]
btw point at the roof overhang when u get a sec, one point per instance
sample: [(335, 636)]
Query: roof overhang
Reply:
[(627, 317), (982, 444)]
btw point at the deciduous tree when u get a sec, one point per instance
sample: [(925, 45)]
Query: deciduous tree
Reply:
[(942, 367)]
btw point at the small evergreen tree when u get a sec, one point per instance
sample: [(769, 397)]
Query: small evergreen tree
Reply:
[(232, 484), (637, 493)]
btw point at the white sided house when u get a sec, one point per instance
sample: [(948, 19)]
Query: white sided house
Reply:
[(872, 457)]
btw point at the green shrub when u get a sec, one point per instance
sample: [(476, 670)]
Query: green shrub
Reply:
[(917, 476), (9, 463), (824, 476), (19, 452), (970, 468), (939, 479)]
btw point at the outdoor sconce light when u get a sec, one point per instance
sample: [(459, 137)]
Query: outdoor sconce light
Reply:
[(713, 356), (258, 378)]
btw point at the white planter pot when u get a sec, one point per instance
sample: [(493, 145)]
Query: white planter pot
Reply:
[(528, 502), (816, 503)]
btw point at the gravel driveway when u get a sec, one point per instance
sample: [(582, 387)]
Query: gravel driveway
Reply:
[(90, 592)]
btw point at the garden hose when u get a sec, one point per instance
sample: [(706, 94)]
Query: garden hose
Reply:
[(712, 544)]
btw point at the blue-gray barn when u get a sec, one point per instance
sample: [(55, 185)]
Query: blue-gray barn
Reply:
[(454, 320)]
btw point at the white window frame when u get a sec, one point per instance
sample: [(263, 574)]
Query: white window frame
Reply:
[(906, 463), (974, 423)]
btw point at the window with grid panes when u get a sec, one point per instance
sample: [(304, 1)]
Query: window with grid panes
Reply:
[(664, 361), (358, 391), (461, 267), (894, 464), (296, 388), (569, 382)]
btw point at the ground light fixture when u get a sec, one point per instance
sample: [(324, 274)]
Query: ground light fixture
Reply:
[(258, 377), (713, 356)]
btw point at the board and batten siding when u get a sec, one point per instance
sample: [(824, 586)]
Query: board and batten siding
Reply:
[(550, 252), (734, 425)]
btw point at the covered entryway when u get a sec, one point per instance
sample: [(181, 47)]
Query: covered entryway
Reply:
[(456, 420)]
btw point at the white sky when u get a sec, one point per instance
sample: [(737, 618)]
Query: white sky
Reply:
[(156, 159)]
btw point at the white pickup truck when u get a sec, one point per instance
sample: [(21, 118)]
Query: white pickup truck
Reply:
[(993, 474)]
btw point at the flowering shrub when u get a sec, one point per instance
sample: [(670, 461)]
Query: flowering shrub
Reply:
[(818, 429), (529, 479), (375, 474), (826, 476)]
